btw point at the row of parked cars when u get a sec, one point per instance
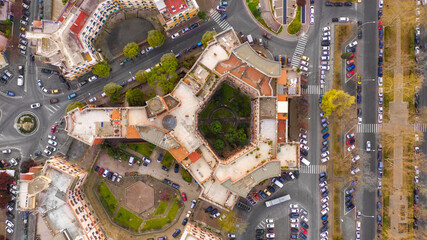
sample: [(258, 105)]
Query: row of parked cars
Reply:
[(325, 56), (114, 177), (283, 59), (23, 42), (12, 189), (303, 146), (324, 201), (298, 216), (52, 144)]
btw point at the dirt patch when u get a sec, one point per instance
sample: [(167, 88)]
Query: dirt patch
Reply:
[(298, 109), (57, 7), (139, 197), (342, 33)]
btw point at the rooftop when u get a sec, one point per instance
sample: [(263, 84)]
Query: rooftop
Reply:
[(247, 54), (174, 7)]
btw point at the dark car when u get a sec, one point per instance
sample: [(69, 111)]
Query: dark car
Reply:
[(259, 236), (303, 152), (322, 179), (97, 168), (380, 61), (3, 81), (214, 211), (263, 195), (348, 203), (294, 215), (326, 43), (325, 148), (38, 153), (380, 43), (271, 189), (209, 209), (324, 217), (303, 236), (124, 84), (10, 215), (174, 185), (10, 93), (380, 13), (350, 207), (47, 71), (351, 49), (26, 12), (110, 175), (194, 26), (324, 228), (62, 79), (304, 224), (176, 233), (338, 4), (348, 4), (165, 168), (381, 33), (167, 181), (326, 135), (348, 197), (294, 230), (176, 168), (380, 71), (260, 231), (323, 174), (334, 19), (184, 222), (294, 236), (360, 35), (329, 4), (326, 142), (325, 222), (326, 193), (359, 98)]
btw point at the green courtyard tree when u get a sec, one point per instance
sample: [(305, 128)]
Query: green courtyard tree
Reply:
[(112, 88), (169, 62), (163, 77), (219, 144), (101, 69), (336, 101), (216, 127), (140, 76), (135, 97), (202, 15), (207, 36), (231, 135), (131, 50), (241, 135), (73, 105), (155, 38)]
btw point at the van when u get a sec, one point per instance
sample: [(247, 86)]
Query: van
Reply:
[(343, 19), (20, 80), (305, 161), (278, 183), (71, 96), (250, 39), (131, 160)]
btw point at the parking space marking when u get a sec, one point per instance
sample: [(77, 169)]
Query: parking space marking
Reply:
[(313, 169)]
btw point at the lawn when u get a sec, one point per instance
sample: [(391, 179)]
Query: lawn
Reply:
[(222, 113), (128, 219), (168, 160), (296, 24), (161, 208), (160, 222), (185, 175), (208, 109), (107, 198), (143, 148)]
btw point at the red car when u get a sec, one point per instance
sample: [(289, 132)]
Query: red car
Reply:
[(53, 129), (184, 197), (351, 56), (255, 195), (350, 141), (380, 23), (349, 62), (349, 74), (268, 36), (303, 230), (101, 171)]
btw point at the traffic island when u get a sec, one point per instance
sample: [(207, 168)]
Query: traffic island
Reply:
[(26, 124)]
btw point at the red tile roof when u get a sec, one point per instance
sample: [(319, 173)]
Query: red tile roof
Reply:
[(79, 23), (194, 156), (175, 6), (26, 177)]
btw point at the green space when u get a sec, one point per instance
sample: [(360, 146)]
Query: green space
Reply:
[(143, 148), (185, 175), (157, 223), (163, 205), (222, 113), (167, 160), (296, 24), (107, 198), (128, 219)]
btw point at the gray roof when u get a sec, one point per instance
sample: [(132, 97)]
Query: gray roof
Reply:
[(245, 184), (157, 137), (268, 67), (169, 122)]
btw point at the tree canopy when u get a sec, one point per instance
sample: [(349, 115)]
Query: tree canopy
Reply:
[(131, 50), (73, 105), (155, 38), (216, 127), (140, 76), (336, 101), (112, 88), (207, 36), (135, 97), (101, 69), (202, 15), (26, 165), (5, 180), (219, 144)]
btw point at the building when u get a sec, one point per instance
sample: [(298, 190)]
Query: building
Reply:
[(68, 41), (170, 122), (54, 192), (192, 232)]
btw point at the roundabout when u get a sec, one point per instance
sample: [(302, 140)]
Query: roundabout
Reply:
[(27, 123)]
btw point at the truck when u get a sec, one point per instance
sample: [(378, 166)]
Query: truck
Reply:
[(250, 39), (278, 200)]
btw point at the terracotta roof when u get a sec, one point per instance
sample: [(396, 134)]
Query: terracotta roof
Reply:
[(37, 23), (282, 131), (98, 141), (227, 65), (115, 114), (132, 132), (282, 79), (194, 156), (26, 177), (179, 153), (265, 86), (34, 169), (79, 23), (282, 97), (3, 43)]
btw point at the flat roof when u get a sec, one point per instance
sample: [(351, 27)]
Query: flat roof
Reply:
[(268, 67), (79, 23), (175, 6)]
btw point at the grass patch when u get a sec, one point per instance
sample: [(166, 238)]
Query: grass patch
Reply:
[(128, 219), (163, 205), (107, 198), (222, 113), (342, 33), (158, 223), (143, 148), (185, 175), (208, 109), (253, 7), (296, 24), (337, 209), (168, 160)]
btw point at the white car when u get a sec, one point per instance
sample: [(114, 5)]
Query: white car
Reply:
[(294, 220), (380, 81), (324, 189), (325, 205), (324, 211), (35, 105), (311, 19), (324, 234), (327, 33), (304, 147), (25, 6), (294, 225), (328, 38), (325, 159), (193, 203), (25, 23), (103, 94), (304, 63), (351, 147), (175, 35), (293, 210), (269, 220), (355, 171), (380, 4), (327, 48), (22, 47), (379, 184), (327, 28), (270, 225), (359, 120), (295, 206), (105, 173), (325, 199), (304, 218), (92, 99), (10, 208), (352, 44), (9, 230), (355, 159), (93, 78), (303, 68), (325, 68), (368, 146), (380, 109), (51, 137), (358, 225), (325, 53), (303, 141), (7, 151), (148, 49), (311, 9), (47, 152), (324, 58), (9, 223), (20, 81), (324, 154), (303, 136), (380, 117), (380, 92), (51, 142), (13, 162), (322, 184)]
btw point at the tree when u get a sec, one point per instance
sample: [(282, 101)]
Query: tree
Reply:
[(112, 88), (346, 55), (26, 165), (207, 36), (169, 62), (202, 15), (4, 199), (135, 97), (301, 3), (231, 223), (400, 10), (336, 101), (219, 144), (102, 69), (5, 180), (163, 77), (140, 76), (231, 135), (155, 38), (131, 50), (74, 105), (241, 135), (216, 127)]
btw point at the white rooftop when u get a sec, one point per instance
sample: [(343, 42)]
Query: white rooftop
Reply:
[(213, 55)]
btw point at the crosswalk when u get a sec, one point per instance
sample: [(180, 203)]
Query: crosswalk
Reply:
[(312, 169), (369, 128), (299, 50), (52, 108), (261, 225), (422, 127), (313, 89), (217, 18)]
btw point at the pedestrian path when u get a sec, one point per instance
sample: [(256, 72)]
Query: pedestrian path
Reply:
[(299, 50), (313, 169), (261, 225), (422, 127), (313, 89), (369, 128), (52, 108), (217, 18)]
